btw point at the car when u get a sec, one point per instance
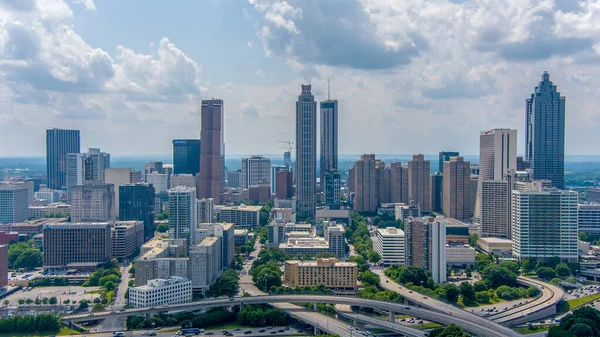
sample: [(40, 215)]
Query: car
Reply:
[(505, 308), (231, 299), (287, 328), (407, 308), (424, 297), (144, 334), (157, 328), (224, 331), (208, 333), (299, 330), (420, 322), (281, 330), (229, 334), (269, 327), (273, 332), (261, 330), (247, 331), (237, 329), (410, 291), (387, 281), (350, 328), (152, 333)]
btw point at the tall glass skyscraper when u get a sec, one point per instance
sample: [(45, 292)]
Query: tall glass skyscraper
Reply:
[(306, 153), (136, 203), (329, 138), (186, 156), (445, 156), (212, 157), (59, 143), (545, 132)]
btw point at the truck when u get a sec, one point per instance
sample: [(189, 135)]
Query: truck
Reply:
[(190, 331)]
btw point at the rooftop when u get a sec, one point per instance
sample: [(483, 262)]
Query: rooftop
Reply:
[(241, 207), (495, 240), (322, 262), (390, 231)]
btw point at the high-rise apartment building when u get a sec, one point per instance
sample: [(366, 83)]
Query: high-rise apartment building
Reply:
[(182, 212), (59, 143), (351, 180), (206, 210), (284, 184), (332, 187), (365, 184), (234, 179), (14, 206), (398, 184), (425, 243), (136, 203), (227, 234), (187, 180), (497, 156), (335, 236), (206, 263), (544, 223), (92, 202), (126, 238), (80, 243), (445, 156), (306, 153), (329, 137), (274, 170), (437, 181), (186, 156), (418, 182), (545, 132), (456, 189), (389, 244), (382, 182), (212, 156), (256, 170), (86, 166), (3, 266), (160, 181), (242, 215)]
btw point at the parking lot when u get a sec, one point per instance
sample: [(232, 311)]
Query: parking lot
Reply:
[(73, 293)]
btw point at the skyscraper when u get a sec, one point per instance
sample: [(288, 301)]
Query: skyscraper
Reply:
[(456, 188), (329, 137), (382, 178), (212, 156), (425, 245), (445, 156), (13, 203), (545, 132), (59, 143), (332, 188), (186, 156), (256, 170), (365, 184), (86, 166), (306, 153), (437, 181), (182, 212), (497, 155), (92, 202), (418, 182), (285, 184), (398, 184), (274, 170), (136, 202)]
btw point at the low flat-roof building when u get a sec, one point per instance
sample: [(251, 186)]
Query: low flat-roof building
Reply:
[(305, 246), (62, 209), (242, 215), (240, 237), (76, 243), (496, 246), (460, 255), (161, 292), (335, 275)]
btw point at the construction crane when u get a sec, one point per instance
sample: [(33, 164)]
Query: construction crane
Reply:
[(289, 144)]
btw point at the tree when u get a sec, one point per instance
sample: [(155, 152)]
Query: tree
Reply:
[(21, 301), (482, 261), (163, 216), (584, 321), (28, 259), (511, 265), (67, 301), (6, 302), (369, 278), (473, 240), (225, 285), (83, 305), (482, 297), (110, 285), (527, 265), (451, 330), (495, 276), (467, 291), (37, 301), (546, 273), (29, 301), (162, 227), (563, 270), (553, 262), (584, 237), (374, 257), (452, 292), (52, 300)]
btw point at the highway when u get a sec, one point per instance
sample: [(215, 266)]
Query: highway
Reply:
[(441, 307), (346, 312)]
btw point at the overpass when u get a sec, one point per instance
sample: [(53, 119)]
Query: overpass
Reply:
[(475, 325)]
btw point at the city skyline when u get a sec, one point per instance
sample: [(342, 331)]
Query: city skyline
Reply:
[(150, 84)]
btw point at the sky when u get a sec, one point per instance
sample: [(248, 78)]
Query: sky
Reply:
[(411, 76)]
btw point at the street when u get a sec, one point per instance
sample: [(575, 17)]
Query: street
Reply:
[(168, 332), (117, 323)]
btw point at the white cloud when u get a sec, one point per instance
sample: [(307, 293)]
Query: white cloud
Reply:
[(249, 44), (89, 4), (259, 73)]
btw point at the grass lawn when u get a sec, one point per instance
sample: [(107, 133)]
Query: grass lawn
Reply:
[(109, 296), (426, 326), (99, 291), (565, 306), (533, 329), (64, 331)]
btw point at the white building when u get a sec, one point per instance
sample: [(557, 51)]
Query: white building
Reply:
[(86, 166), (544, 223), (92, 202), (242, 215), (403, 211), (36, 212), (161, 292), (276, 232), (460, 255), (285, 203), (389, 244), (159, 181), (182, 212), (206, 210), (588, 220), (223, 230), (186, 180), (51, 196), (205, 263), (256, 170), (335, 236)]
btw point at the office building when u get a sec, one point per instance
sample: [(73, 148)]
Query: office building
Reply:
[(126, 238), (445, 156), (522, 164), (365, 181), (259, 194), (136, 203), (240, 237), (274, 170), (276, 234), (460, 256), (256, 170), (498, 247), (51, 196), (495, 209), (457, 232), (3, 266), (425, 245), (160, 181), (75, 245), (186, 180), (223, 230), (206, 210), (182, 212), (234, 179), (86, 166), (59, 143), (186, 156), (50, 210), (389, 244), (205, 263), (335, 236), (588, 219), (284, 184), (544, 223), (162, 258), (398, 183), (242, 215), (212, 156), (120, 177), (333, 189), (153, 166), (545, 132), (160, 292), (285, 204), (418, 182), (92, 202), (329, 137), (310, 246), (404, 211), (351, 180), (30, 228), (456, 189), (14, 205), (306, 153), (436, 182), (335, 275)]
